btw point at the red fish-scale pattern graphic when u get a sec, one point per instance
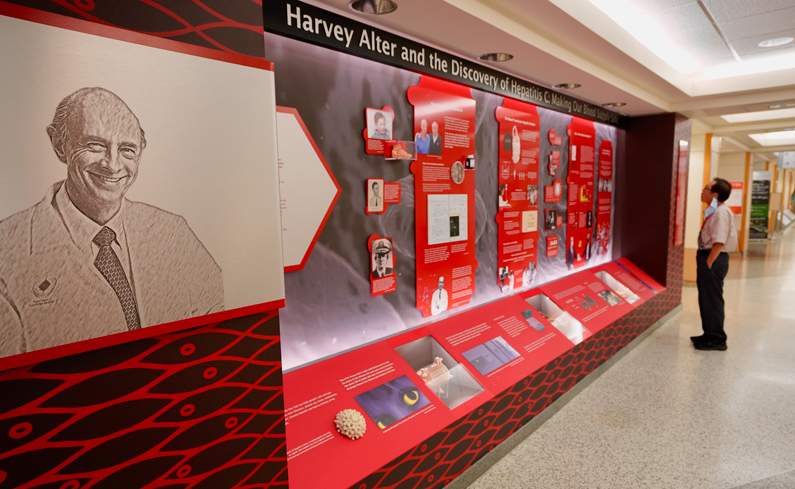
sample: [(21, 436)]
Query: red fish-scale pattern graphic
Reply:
[(231, 26), (200, 409), (442, 457)]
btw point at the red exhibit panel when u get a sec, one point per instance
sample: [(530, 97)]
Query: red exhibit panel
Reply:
[(444, 190), (579, 221), (624, 283), (604, 197), (517, 219), (502, 342), (398, 408), (587, 299)]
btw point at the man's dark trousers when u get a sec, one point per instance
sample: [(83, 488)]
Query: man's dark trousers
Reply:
[(710, 294)]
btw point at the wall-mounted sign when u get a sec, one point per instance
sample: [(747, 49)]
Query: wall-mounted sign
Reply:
[(786, 159), (303, 21)]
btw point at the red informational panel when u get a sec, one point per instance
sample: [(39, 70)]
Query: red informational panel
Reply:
[(587, 299), (444, 190), (517, 219), (502, 342), (624, 283), (399, 411), (409, 387), (604, 197), (579, 219)]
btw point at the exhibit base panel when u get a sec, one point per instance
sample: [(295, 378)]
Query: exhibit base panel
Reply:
[(438, 398), (201, 407)]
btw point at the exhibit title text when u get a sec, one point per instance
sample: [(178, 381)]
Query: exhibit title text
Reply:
[(322, 27)]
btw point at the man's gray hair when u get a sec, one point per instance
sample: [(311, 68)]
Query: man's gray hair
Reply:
[(58, 130)]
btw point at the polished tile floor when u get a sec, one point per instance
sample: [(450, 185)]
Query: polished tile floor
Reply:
[(669, 416)]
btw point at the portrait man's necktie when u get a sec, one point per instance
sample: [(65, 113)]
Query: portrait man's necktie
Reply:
[(110, 267)]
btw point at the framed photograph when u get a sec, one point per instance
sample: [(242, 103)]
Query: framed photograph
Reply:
[(114, 213), (379, 124), (529, 221), (375, 195), (550, 221), (382, 261)]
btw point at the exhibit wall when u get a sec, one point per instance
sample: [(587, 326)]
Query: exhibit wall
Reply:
[(330, 307), (99, 386), (479, 260)]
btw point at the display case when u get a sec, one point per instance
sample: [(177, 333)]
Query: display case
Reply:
[(560, 319), (400, 150), (445, 377), (619, 288)]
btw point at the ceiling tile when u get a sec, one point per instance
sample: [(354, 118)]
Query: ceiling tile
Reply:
[(649, 6), (724, 10), (680, 18), (692, 39), (759, 25)]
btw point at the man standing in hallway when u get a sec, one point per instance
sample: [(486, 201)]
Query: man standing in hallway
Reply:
[(718, 236)]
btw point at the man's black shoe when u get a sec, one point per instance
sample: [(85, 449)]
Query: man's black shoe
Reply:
[(710, 346), (698, 339)]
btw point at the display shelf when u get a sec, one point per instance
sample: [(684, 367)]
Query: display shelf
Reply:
[(442, 374)]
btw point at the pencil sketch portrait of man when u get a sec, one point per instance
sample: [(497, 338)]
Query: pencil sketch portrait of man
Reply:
[(87, 262)]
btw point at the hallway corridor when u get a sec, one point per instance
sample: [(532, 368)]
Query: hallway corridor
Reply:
[(670, 416)]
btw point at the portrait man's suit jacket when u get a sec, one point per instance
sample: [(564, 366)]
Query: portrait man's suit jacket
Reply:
[(435, 147), (52, 294)]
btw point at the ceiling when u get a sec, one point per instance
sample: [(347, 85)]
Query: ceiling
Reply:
[(562, 41)]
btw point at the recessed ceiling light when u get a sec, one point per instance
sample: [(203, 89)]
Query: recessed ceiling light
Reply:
[(779, 41), (375, 7), (614, 104), (496, 57), (566, 86), (781, 106), (763, 115), (778, 138)]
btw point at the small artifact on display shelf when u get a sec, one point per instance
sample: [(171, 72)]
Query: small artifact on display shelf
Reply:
[(350, 423), (399, 150), (436, 376)]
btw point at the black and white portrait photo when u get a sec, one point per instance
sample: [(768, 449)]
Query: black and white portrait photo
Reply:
[(375, 195), (382, 263), (114, 212)]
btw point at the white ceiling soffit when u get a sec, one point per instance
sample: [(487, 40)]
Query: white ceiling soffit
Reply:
[(470, 35), (742, 23)]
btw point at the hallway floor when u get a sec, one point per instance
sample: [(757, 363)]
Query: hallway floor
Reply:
[(670, 416)]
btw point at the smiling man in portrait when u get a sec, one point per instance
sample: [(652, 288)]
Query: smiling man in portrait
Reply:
[(86, 261)]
